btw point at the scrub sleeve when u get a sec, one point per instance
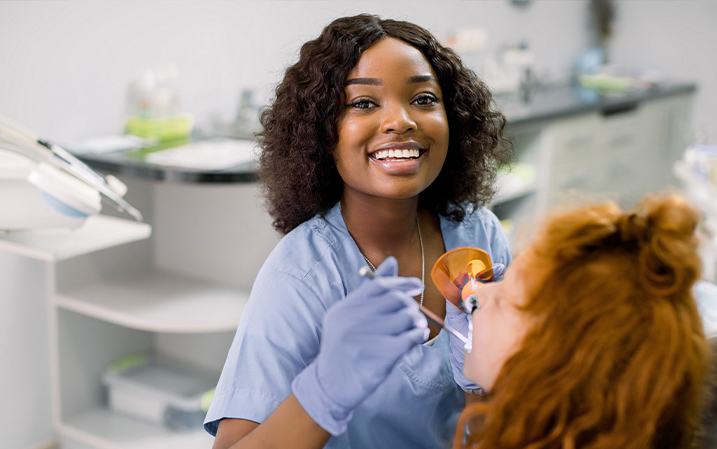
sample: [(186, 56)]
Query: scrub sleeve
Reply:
[(279, 334)]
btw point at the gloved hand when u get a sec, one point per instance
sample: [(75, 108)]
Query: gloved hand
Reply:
[(364, 336), (462, 323)]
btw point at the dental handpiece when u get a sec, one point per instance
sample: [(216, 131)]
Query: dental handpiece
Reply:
[(435, 319)]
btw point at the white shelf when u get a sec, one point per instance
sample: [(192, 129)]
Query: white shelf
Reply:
[(160, 302), (104, 429), (96, 233)]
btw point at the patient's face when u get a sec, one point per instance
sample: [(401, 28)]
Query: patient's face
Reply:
[(498, 326)]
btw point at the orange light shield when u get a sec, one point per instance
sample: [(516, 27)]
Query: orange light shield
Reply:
[(456, 272)]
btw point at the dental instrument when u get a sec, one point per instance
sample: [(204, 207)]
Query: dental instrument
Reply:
[(435, 319)]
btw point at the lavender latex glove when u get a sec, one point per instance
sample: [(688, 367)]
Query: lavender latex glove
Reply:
[(363, 337), (462, 322)]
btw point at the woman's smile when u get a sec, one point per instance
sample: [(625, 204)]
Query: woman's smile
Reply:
[(399, 157)]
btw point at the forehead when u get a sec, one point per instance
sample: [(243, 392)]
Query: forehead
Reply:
[(389, 57)]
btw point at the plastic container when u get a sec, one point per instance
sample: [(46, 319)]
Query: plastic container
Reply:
[(170, 395), (164, 129)]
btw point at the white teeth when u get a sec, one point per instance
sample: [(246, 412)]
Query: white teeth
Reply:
[(398, 154)]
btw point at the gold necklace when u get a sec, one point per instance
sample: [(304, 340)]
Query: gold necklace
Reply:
[(423, 258)]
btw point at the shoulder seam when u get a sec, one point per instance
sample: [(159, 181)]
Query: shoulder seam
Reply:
[(330, 245)]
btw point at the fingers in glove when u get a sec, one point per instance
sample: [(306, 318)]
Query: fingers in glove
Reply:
[(498, 270), (388, 268), (419, 319), (368, 307), (371, 314), (389, 324), (400, 344), (453, 312), (417, 336), (458, 321), (409, 285), (388, 349)]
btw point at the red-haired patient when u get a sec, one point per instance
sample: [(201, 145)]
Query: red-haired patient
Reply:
[(593, 338)]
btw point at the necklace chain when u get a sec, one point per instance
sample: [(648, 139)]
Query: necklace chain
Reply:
[(423, 258)]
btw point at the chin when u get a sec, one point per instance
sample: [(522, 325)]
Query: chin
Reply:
[(406, 186)]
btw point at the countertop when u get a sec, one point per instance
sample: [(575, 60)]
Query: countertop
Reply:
[(543, 104), (562, 101)]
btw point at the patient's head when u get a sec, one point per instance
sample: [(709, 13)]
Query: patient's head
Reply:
[(593, 338)]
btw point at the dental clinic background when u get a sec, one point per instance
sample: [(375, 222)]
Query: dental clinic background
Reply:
[(65, 68)]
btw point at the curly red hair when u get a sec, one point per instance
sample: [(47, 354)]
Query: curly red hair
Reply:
[(617, 357)]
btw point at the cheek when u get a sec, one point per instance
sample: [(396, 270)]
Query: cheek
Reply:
[(353, 129), (349, 148), (347, 133), (437, 126), (482, 336), (437, 129)]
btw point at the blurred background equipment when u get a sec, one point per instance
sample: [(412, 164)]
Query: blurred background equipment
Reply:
[(44, 186), (159, 392), (153, 106), (698, 172)]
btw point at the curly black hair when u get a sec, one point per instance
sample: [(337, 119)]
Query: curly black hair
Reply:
[(297, 167)]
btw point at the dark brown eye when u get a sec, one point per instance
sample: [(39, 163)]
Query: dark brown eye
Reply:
[(426, 100), (362, 104)]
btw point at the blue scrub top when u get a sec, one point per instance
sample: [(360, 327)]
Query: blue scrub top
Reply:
[(279, 335)]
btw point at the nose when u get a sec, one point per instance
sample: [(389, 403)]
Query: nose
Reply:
[(397, 119)]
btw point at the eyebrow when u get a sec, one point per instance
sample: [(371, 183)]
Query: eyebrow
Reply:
[(379, 82), (365, 81), (420, 79)]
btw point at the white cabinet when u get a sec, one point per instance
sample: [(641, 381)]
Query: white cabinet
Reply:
[(520, 190), (619, 155), (108, 297), (178, 295), (624, 155)]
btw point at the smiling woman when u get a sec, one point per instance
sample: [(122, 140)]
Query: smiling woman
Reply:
[(301, 126), (378, 151)]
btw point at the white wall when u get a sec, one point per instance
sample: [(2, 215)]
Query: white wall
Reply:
[(65, 66), (677, 38)]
